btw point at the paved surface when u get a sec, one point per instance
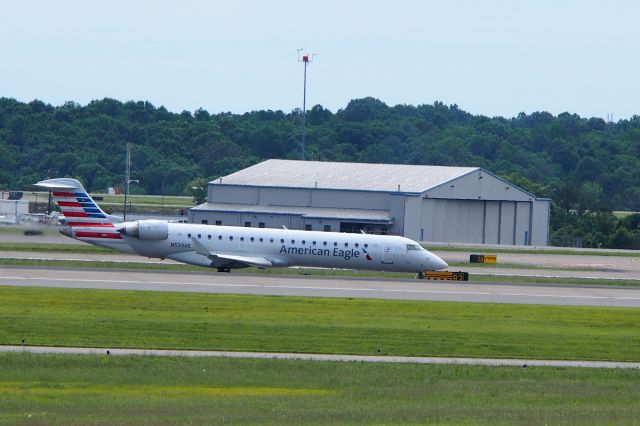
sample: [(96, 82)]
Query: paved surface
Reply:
[(399, 289), (540, 265), (326, 357)]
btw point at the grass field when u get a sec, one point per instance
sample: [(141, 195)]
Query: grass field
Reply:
[(54, 389), (148, 200), (138, 319), (55, 248)]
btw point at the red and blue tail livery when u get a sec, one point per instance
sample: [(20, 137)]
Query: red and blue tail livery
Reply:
[(86, 221)]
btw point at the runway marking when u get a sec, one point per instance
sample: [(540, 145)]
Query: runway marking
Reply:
[(494, 362), (362, 289)]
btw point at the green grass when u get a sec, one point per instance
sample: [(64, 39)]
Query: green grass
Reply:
[(556, 280), (57, 248), (58, 389), (503, 265), (155, 200), (139, 319)]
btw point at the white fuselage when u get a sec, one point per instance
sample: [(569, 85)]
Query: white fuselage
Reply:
[(283, 247)]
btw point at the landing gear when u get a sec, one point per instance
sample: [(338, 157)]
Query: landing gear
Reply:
[(223, 269), (420, 276)]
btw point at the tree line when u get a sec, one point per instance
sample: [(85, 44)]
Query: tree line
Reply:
[(587, 166)]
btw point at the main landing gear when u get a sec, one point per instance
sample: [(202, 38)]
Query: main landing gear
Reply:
[(223, 269)]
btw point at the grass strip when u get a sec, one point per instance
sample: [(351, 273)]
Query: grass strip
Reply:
[(56, 248), (157, 200), (504, 265), (61, 389), (515, 279), (140, 319)]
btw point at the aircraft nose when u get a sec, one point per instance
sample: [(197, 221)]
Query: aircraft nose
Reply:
[(437, 263)]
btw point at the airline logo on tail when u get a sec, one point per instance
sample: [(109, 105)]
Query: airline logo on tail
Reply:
[(368, 256), (83, 216)]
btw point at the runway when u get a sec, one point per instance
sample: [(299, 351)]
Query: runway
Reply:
[(282, 285), (493, 362)]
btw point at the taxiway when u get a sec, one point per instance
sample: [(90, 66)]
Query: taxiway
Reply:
[(300, 285)]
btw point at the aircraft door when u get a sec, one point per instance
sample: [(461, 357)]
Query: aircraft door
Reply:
[(387, 254)]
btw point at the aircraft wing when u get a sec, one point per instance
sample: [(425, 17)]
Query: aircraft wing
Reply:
[(223, 258), (258, 262)]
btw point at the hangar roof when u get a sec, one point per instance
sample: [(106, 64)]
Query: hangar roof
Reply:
[(310, 212), (350, 176)]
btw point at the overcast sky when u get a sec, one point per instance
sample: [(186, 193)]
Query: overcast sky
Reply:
[(490, 57)]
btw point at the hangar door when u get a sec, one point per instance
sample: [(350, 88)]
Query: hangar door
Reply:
[(477, 221), (456, 221)]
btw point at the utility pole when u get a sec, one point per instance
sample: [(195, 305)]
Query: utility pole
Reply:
[(127, 179), (127, 174), (306, 59)]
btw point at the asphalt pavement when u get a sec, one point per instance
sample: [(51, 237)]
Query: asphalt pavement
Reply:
[(315, 286)]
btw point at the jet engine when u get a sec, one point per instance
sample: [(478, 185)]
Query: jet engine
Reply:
[(146, 230)]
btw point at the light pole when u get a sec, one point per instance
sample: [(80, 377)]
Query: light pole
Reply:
[(126, 194), (306, 59)]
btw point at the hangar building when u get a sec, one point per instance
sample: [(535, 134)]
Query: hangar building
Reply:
[(424, 203)]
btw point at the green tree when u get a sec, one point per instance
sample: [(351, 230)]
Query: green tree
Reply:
[(197, 188)]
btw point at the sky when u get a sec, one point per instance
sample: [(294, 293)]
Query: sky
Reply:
[(495, 58)]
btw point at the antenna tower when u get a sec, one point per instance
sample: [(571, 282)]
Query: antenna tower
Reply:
[(305, 58), (127, 179)]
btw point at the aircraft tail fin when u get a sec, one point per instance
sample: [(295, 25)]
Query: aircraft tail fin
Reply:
[(83, 215)]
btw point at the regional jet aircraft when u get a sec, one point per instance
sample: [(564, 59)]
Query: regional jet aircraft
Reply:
[(228, 247)]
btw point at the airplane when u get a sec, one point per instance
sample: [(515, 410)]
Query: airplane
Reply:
[(230, 247)]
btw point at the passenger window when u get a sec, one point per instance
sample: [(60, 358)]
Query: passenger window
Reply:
[(199, 236), (209, 237), (293, 241), (282, 240), (335, 244), (219, 237), (357, 245), (241, 238), (346, 244), (302, 242), (189, 235), (261, 240), (270, 240), (230, 238), (366, 245), (324, 243), (251, 239), (314, 243)]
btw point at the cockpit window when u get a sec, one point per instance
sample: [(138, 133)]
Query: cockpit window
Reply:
[(413, 247)]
